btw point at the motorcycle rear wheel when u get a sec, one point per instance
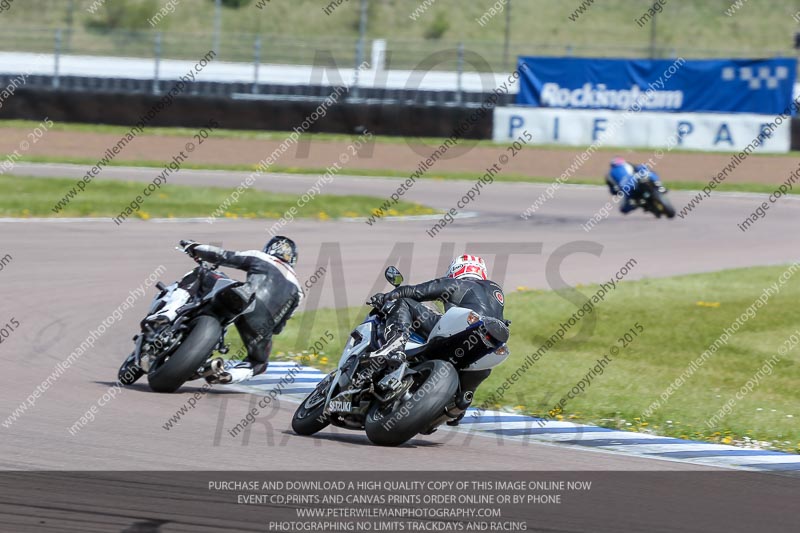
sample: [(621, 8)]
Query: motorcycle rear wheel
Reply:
[(188, 357), (396, 424)]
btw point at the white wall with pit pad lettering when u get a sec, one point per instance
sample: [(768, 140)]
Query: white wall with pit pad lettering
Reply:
[(685, 131)]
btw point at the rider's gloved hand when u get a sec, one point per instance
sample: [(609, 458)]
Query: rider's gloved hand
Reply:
[(188, 246), (377, 300)]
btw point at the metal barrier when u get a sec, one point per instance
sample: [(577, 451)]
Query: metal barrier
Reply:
[(265, 91)]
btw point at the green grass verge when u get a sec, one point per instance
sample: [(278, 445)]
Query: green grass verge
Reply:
[(35, 197), (460, 176), (682, 316)]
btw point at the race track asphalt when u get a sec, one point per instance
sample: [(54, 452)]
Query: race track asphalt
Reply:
[(66, 277)]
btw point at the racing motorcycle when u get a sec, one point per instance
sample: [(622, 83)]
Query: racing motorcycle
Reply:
[(651, 196), (185, 325), (394, 400)]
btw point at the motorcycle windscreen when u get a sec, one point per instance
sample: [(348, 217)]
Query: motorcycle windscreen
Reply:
[(359, 340)]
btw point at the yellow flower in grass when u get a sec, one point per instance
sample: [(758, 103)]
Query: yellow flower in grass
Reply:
[(162, 195), (350, 214), (144, 215), (323, 360), (708, 304), (394, 212), (727, 440), (322, 215), (26, 212)]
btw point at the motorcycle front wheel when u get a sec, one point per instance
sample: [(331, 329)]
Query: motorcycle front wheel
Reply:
[(129, 372), (666, 205), (435, 386), (311, 417)]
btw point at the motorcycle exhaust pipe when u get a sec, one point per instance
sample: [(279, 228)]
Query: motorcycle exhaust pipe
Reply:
[(214, 368), (460, 405), (465, 400)]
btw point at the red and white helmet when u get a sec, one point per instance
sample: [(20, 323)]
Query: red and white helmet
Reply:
[(467, 267)]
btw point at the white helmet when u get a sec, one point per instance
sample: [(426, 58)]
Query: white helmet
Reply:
[(467, 267)]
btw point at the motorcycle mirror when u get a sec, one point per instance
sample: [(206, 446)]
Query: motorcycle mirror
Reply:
[(393, 276)]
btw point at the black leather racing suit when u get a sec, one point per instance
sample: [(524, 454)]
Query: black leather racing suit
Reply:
[(277, 295), (406, 312)]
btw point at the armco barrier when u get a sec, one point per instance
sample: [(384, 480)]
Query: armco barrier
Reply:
[(97, 84), (280, 115)]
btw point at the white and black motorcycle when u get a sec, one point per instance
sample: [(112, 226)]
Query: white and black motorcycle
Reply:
[(395, 400), (185, 325)]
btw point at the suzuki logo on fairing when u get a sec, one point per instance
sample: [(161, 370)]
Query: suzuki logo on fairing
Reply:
[(337, 405)]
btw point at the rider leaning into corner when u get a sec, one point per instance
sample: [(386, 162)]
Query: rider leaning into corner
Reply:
[(271, 276), (624, 177), (466, 285)]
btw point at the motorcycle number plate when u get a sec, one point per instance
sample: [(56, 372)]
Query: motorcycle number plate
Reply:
[(340, 406)]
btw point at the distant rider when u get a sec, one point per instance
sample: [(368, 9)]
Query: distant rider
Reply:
[(624, 178), (271, 276), (465, 285)]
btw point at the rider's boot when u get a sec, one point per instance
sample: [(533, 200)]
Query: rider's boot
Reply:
[(396, 339), (627, 206), (233, 372)]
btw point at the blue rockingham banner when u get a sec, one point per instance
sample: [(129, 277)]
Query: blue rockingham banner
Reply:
[(761, 86)]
